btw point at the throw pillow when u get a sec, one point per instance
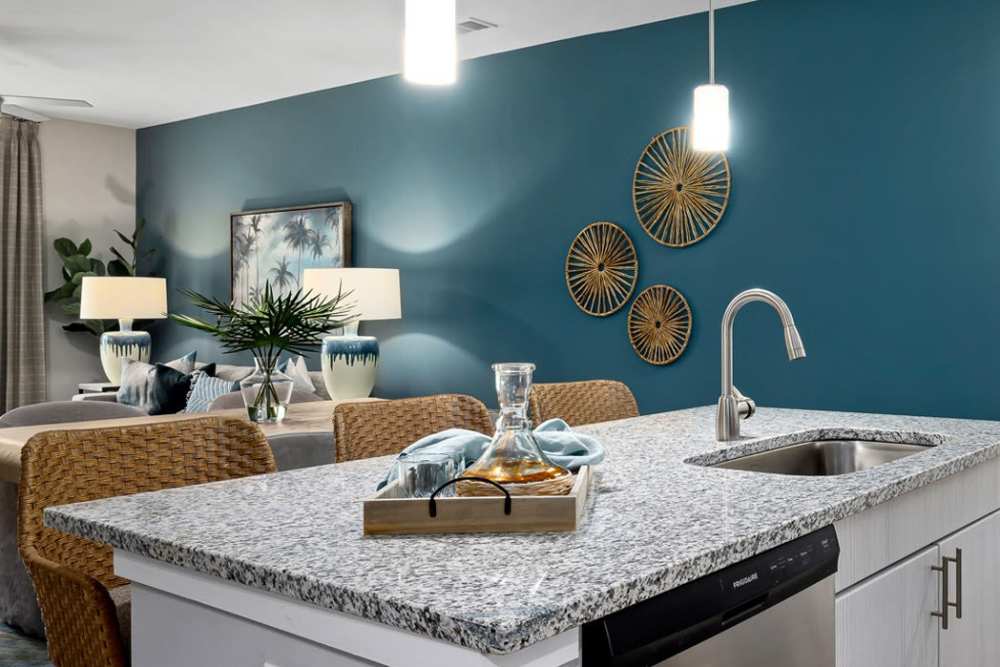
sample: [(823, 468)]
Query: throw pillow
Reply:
[(158, 389), (295, 368), (184, 364), (232, 373), (205, 389)]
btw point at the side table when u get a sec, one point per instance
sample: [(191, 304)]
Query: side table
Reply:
[(96, 387)]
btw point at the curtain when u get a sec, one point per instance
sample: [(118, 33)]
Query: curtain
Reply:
[(22, 322)]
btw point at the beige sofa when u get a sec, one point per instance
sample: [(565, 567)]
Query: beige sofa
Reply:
[(226, 372)]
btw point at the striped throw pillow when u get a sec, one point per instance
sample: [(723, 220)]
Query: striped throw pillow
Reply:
[(205, 389)]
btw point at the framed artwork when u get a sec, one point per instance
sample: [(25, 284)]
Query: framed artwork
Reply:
[(276, 245)]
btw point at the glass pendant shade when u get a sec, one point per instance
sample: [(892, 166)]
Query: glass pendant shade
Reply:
[(430, 45), (710, 127)]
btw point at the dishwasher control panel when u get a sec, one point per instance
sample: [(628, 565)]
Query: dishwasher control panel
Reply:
[(760, 574)]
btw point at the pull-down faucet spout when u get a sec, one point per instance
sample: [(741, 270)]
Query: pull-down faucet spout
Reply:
[(732, 404)]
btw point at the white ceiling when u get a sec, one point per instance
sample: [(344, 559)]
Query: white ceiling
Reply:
[(145, 62)]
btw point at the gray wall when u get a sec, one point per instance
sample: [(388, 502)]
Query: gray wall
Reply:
[(88, 190)]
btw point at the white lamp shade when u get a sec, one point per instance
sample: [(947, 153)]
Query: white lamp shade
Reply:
[(374, 293), (430, 45), (710, 127), (129, 298)]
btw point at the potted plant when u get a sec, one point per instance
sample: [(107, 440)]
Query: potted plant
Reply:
[(78, 264), (267, 326)]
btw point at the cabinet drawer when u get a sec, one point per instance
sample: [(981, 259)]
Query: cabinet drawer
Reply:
[(872, 540)]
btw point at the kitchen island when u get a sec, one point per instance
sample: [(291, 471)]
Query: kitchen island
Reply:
[(275, 570)]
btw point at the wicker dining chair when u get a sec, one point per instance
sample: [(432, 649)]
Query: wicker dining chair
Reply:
[(86, 608), (579, 403), (380, 428)]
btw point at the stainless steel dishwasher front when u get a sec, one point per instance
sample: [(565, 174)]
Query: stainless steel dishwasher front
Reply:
[(775, 609)]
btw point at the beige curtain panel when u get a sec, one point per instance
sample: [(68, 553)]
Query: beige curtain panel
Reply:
[(22, 322)]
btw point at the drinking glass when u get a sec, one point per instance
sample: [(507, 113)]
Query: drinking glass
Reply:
[(420, 474)]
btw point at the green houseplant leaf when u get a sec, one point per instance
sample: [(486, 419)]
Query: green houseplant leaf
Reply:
[(118, 268), (77, 263), (64, 247)]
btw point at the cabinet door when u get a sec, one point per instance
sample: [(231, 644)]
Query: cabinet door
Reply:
[(886, 620), (974, 639)]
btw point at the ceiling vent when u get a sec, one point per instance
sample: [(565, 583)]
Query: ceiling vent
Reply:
[(473, 24)]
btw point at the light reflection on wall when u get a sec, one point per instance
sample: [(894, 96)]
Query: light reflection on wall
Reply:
[(422, 363)]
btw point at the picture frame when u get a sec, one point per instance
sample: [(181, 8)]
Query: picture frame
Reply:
[(277, 244)]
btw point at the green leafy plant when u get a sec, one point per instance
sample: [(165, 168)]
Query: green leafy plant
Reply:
[(78, 264), (269, 325), (122, 264)]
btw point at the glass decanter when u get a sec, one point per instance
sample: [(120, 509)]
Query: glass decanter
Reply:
[(514, 458)]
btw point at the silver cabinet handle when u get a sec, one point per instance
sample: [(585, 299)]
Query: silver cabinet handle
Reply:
[(957, 560), (945, 602), (943, 614)]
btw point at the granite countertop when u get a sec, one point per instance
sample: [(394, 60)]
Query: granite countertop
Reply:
[(653, 522)]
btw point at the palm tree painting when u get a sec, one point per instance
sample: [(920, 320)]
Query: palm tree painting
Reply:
[(319, 243), (281, 278), (276, 245), (298, 235), (255, 223)]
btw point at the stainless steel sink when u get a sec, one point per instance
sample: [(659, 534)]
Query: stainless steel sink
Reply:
[(823, 457)]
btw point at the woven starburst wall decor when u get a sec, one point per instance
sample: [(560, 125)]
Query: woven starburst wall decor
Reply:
[(659, 324), (679, 194), (601, 269)]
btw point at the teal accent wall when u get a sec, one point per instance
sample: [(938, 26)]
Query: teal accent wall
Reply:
[(865, 159)]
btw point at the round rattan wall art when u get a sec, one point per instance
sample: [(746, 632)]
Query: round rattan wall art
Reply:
[(659, 324), (679, 194), (601, 269)]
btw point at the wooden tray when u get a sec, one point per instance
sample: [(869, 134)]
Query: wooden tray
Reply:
[(387, 514)]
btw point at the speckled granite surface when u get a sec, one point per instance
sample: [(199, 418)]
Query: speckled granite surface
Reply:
[(653, 523)]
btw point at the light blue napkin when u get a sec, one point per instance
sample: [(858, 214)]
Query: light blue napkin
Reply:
[(561, 444)]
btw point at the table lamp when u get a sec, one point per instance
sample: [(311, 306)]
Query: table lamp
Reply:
[(349, 361), (123, 299)]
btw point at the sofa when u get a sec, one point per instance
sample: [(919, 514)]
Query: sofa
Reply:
[(235, 374)]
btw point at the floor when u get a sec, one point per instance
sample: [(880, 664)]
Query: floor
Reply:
[(16, 650)]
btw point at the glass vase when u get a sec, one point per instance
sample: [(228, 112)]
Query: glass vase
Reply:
[(514, 459), (266, 393)]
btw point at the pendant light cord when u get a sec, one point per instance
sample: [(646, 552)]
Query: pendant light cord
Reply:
[(711, 43)]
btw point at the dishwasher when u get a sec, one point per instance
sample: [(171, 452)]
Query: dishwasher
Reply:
[(775, 609)]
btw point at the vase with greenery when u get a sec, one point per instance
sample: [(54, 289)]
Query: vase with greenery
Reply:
[(266, 326)]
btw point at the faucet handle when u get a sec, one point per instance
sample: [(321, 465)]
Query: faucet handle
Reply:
[(745, 406)]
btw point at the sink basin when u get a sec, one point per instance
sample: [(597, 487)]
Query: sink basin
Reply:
[(823, 457)]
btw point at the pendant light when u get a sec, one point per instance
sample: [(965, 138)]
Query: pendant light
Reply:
[(710, 127), (430, 49)]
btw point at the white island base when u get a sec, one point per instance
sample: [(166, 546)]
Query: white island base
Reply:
[(181, 618), (885, 587)]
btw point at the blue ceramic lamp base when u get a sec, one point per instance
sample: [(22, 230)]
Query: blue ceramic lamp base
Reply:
[(349, 364), (119, 345)]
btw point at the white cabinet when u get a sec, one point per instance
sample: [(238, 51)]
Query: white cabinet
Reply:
[(974, 639), (889, 619), (886, 620)]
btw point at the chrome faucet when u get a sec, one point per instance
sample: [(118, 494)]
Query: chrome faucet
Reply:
[(733, 405)]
